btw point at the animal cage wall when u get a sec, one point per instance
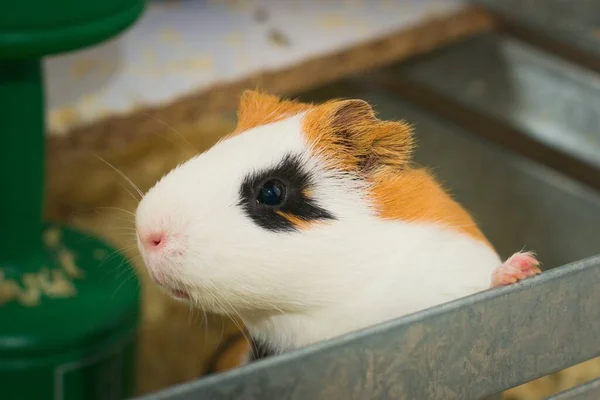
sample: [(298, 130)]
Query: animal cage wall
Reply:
[(508, 121), (477, 346), (467, 349), (490, 140)]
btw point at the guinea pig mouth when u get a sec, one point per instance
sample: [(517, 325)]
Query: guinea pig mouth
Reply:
[(179, 294)]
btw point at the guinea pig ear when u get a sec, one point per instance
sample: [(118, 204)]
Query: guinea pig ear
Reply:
[(373, 143), (348, 113)]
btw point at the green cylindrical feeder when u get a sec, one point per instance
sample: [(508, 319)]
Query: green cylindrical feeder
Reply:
[(68, 311)]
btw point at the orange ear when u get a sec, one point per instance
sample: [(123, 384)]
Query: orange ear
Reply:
[(350, 131), (259, 108), (345, 113)]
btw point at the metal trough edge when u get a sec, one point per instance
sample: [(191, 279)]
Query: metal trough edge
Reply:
[(587, 391), (466, 349)]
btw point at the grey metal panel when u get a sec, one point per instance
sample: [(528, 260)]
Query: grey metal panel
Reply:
[(476, 346), (554, 101), (467, 349), (574, 22), (587, 391)]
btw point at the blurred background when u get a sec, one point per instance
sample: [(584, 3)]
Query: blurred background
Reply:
[(506, 95)]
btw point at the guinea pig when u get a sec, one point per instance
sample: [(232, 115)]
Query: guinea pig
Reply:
[(309, 221)]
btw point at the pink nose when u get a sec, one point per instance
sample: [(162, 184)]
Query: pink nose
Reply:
[(155, 241)]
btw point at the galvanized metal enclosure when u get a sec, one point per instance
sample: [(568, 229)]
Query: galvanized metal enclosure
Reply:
[(467, 349), (513, 130)]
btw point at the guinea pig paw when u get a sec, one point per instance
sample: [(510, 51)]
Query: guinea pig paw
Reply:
[(518, 267)]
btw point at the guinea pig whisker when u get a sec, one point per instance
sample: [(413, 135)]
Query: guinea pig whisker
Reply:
[(137, 189), (205, 322), (201, 309), (123, 283), (131, 248), (219, 306), (112, 255), (241, 329), (123, 232), (131, 219), (191, 315), (123, 228), (222, 331), (129, 192), (120, 269), (228, 309), (127, 234), (118, 209), (172, 129), (123, 266), (201, 317)]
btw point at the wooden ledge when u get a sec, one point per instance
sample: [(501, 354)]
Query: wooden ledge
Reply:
[(119, 133)]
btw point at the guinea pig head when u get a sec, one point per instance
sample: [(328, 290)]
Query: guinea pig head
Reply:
[(267, 219)]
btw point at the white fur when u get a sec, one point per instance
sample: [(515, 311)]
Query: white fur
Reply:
[(296, 288)]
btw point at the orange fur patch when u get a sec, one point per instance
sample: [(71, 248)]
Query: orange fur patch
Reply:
[(296, 221), (349, 137), (256, 109), (307, 192), (414, 195), (234, 355)]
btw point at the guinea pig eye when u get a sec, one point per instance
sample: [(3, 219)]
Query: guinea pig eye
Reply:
[(271, 193)]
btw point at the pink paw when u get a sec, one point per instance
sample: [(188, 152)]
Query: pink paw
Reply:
[(518, 267)]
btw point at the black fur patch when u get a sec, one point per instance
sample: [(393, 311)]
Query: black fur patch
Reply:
[(260, 351), (289, 171)]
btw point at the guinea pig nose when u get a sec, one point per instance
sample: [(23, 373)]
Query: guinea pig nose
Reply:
[(155, 240)]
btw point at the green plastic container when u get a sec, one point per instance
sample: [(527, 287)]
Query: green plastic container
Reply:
[(35, 28), (69, 304), (76, 338)]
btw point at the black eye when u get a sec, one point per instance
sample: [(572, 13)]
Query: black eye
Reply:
[(271, 193)]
